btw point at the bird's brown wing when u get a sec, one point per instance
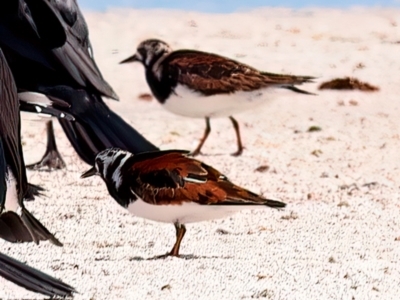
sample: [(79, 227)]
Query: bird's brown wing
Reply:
[(212, 74), (172, 177)]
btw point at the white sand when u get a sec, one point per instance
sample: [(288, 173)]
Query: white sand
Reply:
[(331, 242)]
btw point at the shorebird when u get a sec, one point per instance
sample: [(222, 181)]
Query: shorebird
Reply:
[(17, 224), (46, 43), (171, 187), (205, 85)]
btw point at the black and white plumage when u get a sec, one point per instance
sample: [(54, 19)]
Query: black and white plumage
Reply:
[(17, 224), (49, 52), (205, 85), (171, 187)]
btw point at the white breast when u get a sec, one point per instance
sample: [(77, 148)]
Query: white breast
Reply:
[(186, 102), (188, 212), (12, 193)]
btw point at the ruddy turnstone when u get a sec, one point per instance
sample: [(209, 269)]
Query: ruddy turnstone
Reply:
[(205, 85), (169, 186)]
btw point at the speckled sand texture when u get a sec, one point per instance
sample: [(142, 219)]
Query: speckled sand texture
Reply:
[(339, 237)]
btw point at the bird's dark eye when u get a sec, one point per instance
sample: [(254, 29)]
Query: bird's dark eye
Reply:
[(142, 52), (99, 168)]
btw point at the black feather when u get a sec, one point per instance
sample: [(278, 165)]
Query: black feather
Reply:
[(33, 279), (69, 73)]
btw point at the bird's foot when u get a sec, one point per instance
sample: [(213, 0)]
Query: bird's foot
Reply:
[(194, 153), (52, 159), (237, 153), (164, 256)]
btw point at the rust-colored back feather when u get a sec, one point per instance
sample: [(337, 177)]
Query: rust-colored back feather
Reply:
[(169, 161), (193, 181)]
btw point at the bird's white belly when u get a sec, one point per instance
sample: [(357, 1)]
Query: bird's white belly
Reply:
[(185, 102), (11, 203), (187, 212)]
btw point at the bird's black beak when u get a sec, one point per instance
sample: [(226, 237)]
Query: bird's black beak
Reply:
[(89, 173), (132, 58)]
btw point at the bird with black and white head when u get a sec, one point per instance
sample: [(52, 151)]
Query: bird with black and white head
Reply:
[(199, 84), (171, 187)]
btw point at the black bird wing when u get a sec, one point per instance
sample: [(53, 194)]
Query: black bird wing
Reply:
[(27, 25), (72, 16), (33, 279), (59, 26), (15, 226), (211, 74), (19, 226), (68, 72), (76, 54), (10, 147), (96, 127)]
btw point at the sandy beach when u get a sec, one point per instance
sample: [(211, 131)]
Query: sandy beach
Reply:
[(338, 238)]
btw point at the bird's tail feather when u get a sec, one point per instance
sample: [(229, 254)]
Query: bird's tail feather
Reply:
[(274, 203), (251, 203), (96, 131), (33, 279), (95, 127), (297, 90), (24, 227), (288, 81), (237, 196)]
